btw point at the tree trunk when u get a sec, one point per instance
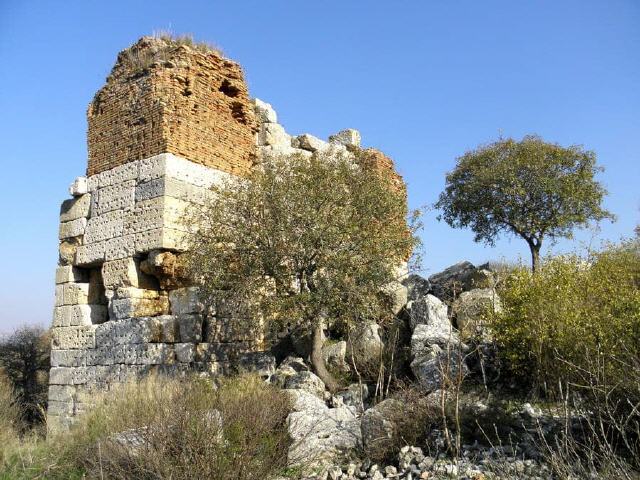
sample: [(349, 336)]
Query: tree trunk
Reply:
[(535, 256), (317, 360)]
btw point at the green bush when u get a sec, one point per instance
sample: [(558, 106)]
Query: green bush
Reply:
[(575, 322)]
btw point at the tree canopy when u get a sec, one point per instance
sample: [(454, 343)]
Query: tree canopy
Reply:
[(529, 188), (305, 241)]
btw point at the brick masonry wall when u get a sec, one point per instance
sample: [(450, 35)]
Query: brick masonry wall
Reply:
[(162, 97)]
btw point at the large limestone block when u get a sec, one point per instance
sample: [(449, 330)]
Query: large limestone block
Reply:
[(273, 134), (61, 393), (190, 326), (75, 208), (162, 239), (311, 143), (185, 300), (118, 196), (169, 165), (264, 111), (79, 315), (120, 247), (119, 174), (69, 358), (347, 137), (72, 294), (122, 308), (172, 187), (105, 226), (160, 212), (69, 274), (89, 255), (129, 331), (74, 228), (70, 338), (429, 310), (185, 352), (67, 250), (124, 272)]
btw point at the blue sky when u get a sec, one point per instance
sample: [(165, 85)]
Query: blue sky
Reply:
[(422, 80)]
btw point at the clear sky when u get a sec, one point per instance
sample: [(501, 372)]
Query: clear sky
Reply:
[(422, 80)]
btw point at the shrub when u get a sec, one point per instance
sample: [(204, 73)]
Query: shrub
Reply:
[(9, 419), (557, 324)]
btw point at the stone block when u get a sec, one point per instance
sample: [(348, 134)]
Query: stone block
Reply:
[(89, 255), (185, 300), (120, 247), (69, 358), (264, 111), (61, 393), (121, 308), (185, 352), (172, 187), (190, 326), (347, 137), (231, 330), (118, 196), (79, 315), (129, 331), (105, 226), (60, 408), (75, 208), (79, 187), (162, 239), (68, 273), (311, 143), (124, 272), (75, 293), (273, 134), (74, 228), (170, 330), (171, 166), (71, 338), (156, 354), (160, 212), (119, 174)]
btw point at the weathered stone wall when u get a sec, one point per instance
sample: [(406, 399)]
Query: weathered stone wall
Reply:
[(165, 97), (171, 122)]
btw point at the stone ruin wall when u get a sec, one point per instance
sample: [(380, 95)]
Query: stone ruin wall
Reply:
[(123, 307)]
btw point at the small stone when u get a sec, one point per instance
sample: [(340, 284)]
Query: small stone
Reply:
[(79, 187)]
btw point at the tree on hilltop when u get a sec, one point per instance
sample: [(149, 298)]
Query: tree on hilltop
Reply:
[(304, 242), (529, 188)]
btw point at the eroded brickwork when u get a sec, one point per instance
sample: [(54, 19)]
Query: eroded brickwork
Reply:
[(163, 97)]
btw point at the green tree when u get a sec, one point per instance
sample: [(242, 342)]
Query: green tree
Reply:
[(529, 188), (304, 242)]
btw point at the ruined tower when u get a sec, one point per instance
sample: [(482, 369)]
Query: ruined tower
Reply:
[(173, 119)]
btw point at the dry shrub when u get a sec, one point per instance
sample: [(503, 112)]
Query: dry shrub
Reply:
[(186, 429)]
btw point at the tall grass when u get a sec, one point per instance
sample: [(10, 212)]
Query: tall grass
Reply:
[(168, 428)]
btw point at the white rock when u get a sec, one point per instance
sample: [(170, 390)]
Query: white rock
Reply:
[(347, 137), (311, 143), (307, 381), (429, 310), (273, 134), (78, 187), (264, 111)]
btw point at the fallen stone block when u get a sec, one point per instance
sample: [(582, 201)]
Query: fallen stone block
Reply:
[(311, 143), (75, 208), (273, 134)]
